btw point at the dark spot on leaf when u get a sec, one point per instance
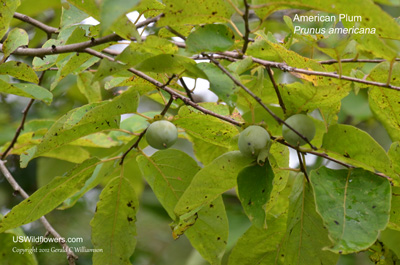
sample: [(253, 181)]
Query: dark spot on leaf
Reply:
[(336, 222), (218, 238), (263, 191), (374, 206), (211, 205), (130, 219)]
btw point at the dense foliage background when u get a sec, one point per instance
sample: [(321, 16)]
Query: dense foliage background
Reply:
[(90, 76)]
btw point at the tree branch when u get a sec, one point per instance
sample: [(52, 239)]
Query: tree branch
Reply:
[(302, 165), (278, 94), (187, 90), (14, 184), (248, 91), (246, 27), (75, 47), (49, 30)]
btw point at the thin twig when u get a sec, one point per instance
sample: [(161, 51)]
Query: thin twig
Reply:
[(187, 90), (302, 165), (21, 125), (17, 188), (175, 32), (248, 91), (246, 27), (333, 61), (164, 111), (278, 94), (135, 145)]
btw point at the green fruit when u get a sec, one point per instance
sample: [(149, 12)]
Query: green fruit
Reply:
[(301, 123), (252, 140), (161, 134)]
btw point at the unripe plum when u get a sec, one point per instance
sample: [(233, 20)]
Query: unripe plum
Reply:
[(161, 134), (301, 123), (252, 140)]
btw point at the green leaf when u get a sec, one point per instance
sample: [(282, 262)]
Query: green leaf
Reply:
[(166, 179), (305, 233), (19, 70), (350, 144), (210, 38), (394, 156), (107, 68), (48, 197), (113, 225), (351, 202), (259, 246), (135, 53), (109, 169), (171, 64), (384, 102), (88, 6), (16, 38), (71, 15), (90, 89), (205, 127), (391, 239), (195, 12), (73, 154), (7, 10), (111, 10), (9, 248), (210, 182), (306, 97), (99, 140), (254, 189), (27, 90), (206, 152), (278, 159), (220, 83), (83, 121), (209, 233), (394, 221)]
